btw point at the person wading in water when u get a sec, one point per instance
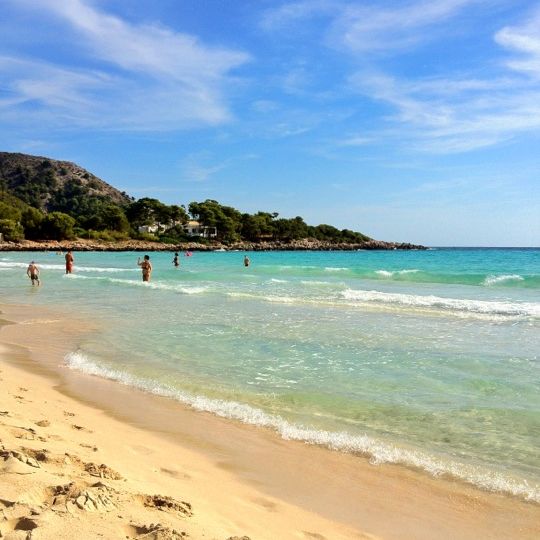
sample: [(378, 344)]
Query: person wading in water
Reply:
[(146, 267), (69, 262)]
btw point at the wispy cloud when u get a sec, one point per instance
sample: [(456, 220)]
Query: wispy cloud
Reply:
[(148, 76), (525, 40), (201, 166), (370, 28), (362, 27), (292, 12), (355, 140), (440, 115)]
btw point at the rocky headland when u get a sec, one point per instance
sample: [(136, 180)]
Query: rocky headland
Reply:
[(142, 245)]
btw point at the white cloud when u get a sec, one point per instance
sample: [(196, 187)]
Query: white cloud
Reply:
[(363, 28), (525, 40), (150, 77), (360, 27), (454, 115)]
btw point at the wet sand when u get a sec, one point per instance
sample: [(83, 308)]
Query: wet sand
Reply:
[(238, 480)]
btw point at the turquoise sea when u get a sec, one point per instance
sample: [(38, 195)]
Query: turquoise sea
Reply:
[(428, 358)]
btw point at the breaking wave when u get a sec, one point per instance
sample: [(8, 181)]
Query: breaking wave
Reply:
[(388, 273), (62, 267), (494, 280), (175, 287), (483, 307), (377, 450)]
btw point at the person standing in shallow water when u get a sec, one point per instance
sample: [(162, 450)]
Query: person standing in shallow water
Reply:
[(69, 262), (246, 261), (146, 267), (33, 273), (175, 260)]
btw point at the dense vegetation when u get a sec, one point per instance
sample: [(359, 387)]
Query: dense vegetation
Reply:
[(47, 199)]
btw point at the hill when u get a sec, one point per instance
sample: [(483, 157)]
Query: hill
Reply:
[(50, 185), (45, 199)]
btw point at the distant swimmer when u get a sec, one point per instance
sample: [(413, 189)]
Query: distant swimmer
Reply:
[(188, 254), (246, 261), (69, 262), (146, 267), (175, 260), (33, 273)]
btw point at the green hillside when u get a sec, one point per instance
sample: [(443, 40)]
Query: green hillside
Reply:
[(42, 198)]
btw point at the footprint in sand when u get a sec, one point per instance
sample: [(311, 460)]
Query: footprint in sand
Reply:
[(102, 471), (90, 446), (81, 428), (175, 474), (43, 423), (19, 528), (153, 532), (23, 433), (314, 535), (67, 413), (167, 504), (265, 503)]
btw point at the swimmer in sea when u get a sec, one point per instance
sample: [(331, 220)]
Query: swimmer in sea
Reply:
[(33, 273), (246, 261), (146, 267), (175, 260), (69, 262)]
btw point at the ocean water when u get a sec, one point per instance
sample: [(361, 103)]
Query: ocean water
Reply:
[(429, 359)]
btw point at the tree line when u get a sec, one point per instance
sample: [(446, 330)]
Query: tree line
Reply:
[(43, 211)]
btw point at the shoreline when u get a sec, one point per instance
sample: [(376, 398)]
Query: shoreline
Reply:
[(388, 501), (142, 245)]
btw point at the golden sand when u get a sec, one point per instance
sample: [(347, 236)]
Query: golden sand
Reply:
[(82, 457)]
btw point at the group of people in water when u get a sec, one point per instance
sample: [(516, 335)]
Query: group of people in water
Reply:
[(146, 266)]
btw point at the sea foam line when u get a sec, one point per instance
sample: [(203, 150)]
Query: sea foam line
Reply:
[(47, 266), (388, 273), (493, 280), (150, 285), (335, 269), (484, 307), (378, 451)]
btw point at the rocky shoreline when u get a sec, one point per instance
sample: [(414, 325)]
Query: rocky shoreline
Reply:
[(141, 245)]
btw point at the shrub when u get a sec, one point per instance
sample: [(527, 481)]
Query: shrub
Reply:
[(8, 211), (31, 220), (57, 226), (11, 230)]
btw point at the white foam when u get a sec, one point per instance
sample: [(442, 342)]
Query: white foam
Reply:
[(274, 280), (25, 265), (320, 283), (62, 267), (98, 269), (175, 287), (526, 309), (379, 451), (388, 273), (493, 280), (267, 298), (335, 269)]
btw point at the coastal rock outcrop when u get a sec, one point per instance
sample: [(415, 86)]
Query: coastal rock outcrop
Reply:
[(307, 244)]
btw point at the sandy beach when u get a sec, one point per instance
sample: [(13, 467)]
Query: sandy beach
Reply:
[(83, 457)]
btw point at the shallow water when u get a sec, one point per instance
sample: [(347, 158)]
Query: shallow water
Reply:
[(427, 358)]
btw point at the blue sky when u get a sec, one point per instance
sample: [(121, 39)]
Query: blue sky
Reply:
[(406, 120)]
